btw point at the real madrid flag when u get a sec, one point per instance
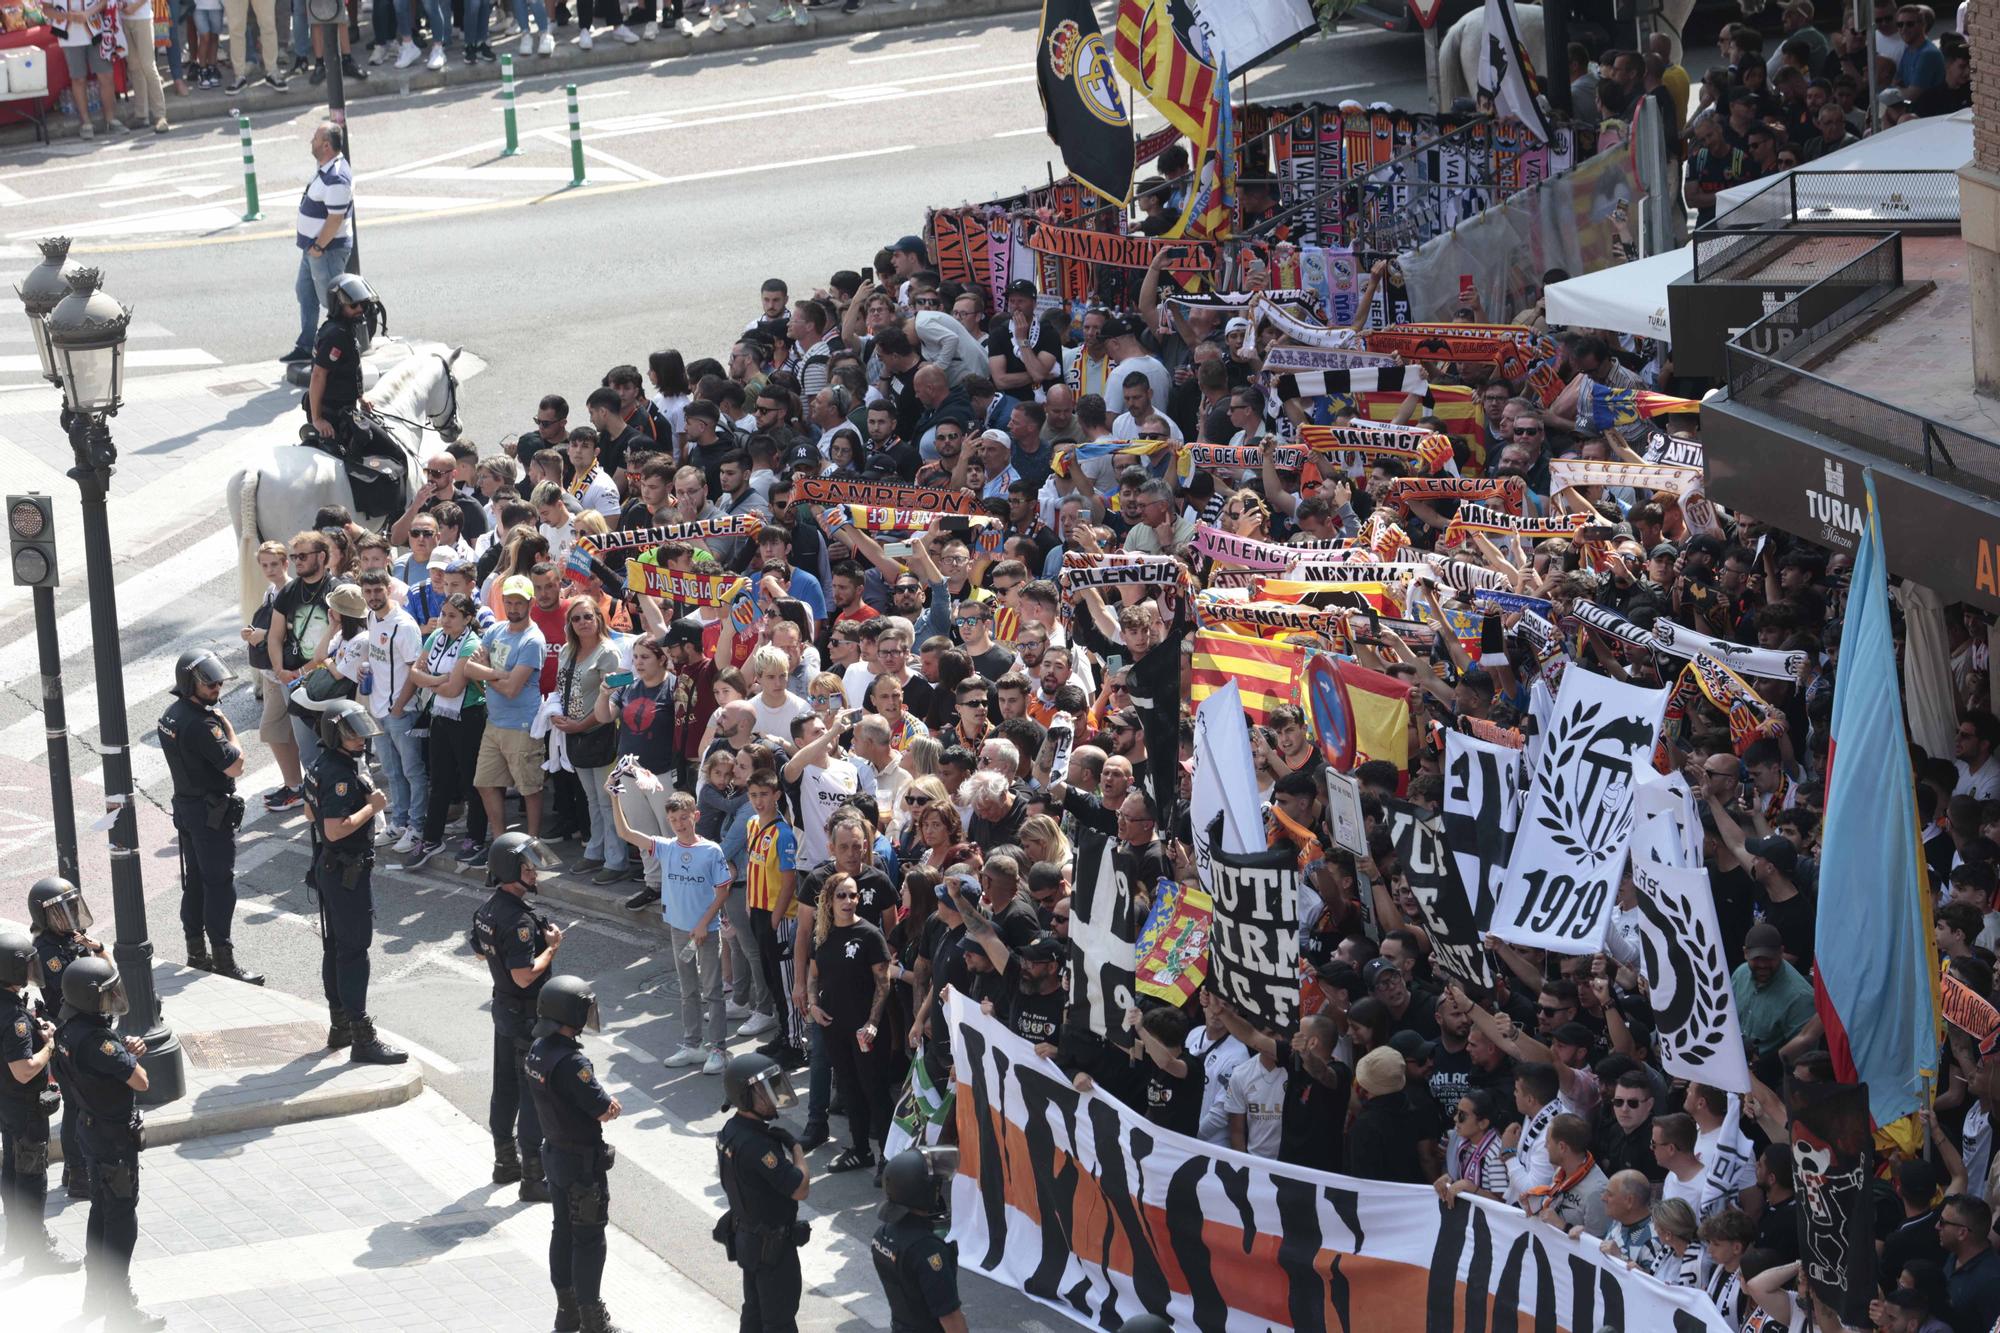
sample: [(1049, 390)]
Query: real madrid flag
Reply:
[(1087, 117)]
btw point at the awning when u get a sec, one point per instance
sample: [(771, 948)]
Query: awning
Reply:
[(1626, 298), (1929, 143)]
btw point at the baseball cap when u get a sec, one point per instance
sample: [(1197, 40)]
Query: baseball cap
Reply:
[(912, 244), (997, 436), (1022, 287), (1573, 1034), (461, 565), (1237, 325), (1041, 948), (1115, 327), (1665, 551), (1412, 1045), (1381, 1072), (1703, 544), (518, 585), (1763, 941), (440, 559), (1376, 969), (1778, 850), (687, 630)]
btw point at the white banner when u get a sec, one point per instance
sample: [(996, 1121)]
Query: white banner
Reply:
[(1225, 781), (1687, 977), (1577, 825), (1248, 31), (1482, 811), (1666, 828), (1102, 945), (1078, 1201), (1503, 77)]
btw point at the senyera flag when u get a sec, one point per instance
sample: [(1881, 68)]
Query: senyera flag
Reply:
[(1268, 672), (1875, 981)]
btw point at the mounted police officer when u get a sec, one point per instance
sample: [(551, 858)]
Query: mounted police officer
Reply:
[(519, 947), (343, 801), (205, 759), (574, 1108), (335, 387), (104, 1074), (27, 1099), (60, 916), (764, 1175), (918, 1268)]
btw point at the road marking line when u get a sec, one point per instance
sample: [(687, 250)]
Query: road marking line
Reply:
[(769, 112), (909, 55), (620, 167), (1275, 96), (96, 162), (1015, 134)]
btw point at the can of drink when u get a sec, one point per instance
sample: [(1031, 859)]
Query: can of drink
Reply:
[(866, 1042), (368, 680)]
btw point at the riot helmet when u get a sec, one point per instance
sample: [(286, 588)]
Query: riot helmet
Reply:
[(199, 666), (56, 907), (17, 958), (918, 1180), (566, 1002), (345, 720), (91, 985), (515, 857), (747, 1078)]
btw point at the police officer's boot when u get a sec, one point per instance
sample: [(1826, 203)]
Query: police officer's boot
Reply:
[(198, 958), (534, 1181), (37, 1250), (121, 1307), (75, 1180), (569, 1319), (339, 1032), (370, 1049), (225, 966), (597, 1319), (506, 1162)]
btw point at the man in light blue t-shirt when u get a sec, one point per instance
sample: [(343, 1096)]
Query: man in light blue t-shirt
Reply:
[(694, 884), (509, 661)]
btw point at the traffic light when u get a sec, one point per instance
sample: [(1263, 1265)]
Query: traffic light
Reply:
[(31, 527)]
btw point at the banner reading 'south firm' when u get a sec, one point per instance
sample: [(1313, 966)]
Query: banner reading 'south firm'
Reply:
[(1079, 1202)]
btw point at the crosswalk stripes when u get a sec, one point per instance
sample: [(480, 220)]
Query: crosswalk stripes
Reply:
[(151, 347)]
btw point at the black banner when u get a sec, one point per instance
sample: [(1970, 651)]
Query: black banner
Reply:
[(1102, 945), (1456, 943), (1253, 955), (1833, 1160), (1087, 116)]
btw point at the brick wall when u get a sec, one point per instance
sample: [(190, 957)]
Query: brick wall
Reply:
[(1984, 25)]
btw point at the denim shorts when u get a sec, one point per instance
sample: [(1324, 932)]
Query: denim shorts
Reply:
[(208, 21)]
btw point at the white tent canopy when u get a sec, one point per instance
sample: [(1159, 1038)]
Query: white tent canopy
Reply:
[(1626, 298)]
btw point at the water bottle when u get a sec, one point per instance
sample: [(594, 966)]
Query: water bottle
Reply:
[(368, 678)]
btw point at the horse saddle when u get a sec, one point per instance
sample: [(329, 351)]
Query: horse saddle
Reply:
[(377, 463)]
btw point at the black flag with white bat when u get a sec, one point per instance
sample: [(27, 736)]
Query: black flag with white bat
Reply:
[(1506, 76), (1102, 946), (1456, 946), (1253, 940)]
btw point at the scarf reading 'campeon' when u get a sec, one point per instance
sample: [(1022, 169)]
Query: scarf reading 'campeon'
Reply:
[(1639, 476)]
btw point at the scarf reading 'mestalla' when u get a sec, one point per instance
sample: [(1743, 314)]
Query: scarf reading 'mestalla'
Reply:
[(1509, 491), (1639, 476), (633, 539), (1493, 522), (1677, 640)]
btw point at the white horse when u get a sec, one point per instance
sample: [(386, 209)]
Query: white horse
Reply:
[(413, 388), (1458, 53)]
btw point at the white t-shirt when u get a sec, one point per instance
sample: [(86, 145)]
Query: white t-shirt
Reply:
[(1126, 427), (1975, 1145), (1258, 1095), (821, 790), (1152, 368), (394, 642), (776, 719), (600, 493), (1219, 1061)]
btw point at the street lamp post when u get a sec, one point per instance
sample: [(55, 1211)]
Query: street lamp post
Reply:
[(85, 351)]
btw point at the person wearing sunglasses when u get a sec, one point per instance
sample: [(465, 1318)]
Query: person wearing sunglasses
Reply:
[(1476, 1166)]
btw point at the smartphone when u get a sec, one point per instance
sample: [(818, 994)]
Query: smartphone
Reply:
[(955, 523), (868, 273), (618, 679)]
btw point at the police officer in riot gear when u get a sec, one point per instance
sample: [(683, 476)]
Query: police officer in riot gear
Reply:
[(519, 947), (104, 1073), (60, 916), (343, 801), (335, 387), (918, 1268), (574, 1108), (764, 1175), (205, 759), (27, 1099)]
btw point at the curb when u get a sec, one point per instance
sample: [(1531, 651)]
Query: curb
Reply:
[(385, 81), (166, 1126)]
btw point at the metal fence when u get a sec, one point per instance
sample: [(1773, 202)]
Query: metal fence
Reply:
[(1778, 381)]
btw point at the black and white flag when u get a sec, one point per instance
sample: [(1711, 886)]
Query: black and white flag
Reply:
[(1687, 977), (1576, 827), (1361, 379), (1505, 76), (1103, 941), (1253, 940), (1454, 927), (1482, 812), (1666, 827)]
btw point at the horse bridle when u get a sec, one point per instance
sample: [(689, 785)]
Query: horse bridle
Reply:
[(450, 430)]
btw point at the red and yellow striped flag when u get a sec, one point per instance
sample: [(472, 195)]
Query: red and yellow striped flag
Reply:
[(1268, 673), (1149, 55), (1456, 405)]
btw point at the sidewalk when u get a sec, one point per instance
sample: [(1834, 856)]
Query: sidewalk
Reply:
[(568, 62), (377, 1221)]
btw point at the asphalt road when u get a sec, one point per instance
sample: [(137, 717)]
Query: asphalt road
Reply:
[(707, 175)]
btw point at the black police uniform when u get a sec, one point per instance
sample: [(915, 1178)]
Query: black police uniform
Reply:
[(508, 933), (919, 1272), (52, 954), (337, 785), (568, 1101), (337, 351), (207, 813), (25, 1109), (97, 1066), (762, 1228)]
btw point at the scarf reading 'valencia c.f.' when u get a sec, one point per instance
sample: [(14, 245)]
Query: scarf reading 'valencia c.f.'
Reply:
[(1492, 522), (1507, 490), (633, 539)]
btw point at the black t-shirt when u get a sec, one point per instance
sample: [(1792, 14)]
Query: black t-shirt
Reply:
[(846, 959), (337, 353), (1451, 1078), (1174, 1103), (878, 895), (1735, 893), (994, 663), (1794, 919), (1314, 1129), (303, 606), (947, 969), (1420, 1017), (1034, 1018), (1143, 867), (1382, 1143), (1000, 343), (646, 724)]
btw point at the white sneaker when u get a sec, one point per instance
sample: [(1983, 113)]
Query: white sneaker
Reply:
[(503, 25), (546, 46), (435, 60), (685, 1056), (683, 27), (378, 53), (408, 842), (799, 17), (388, 833), (408, 56), (651, 31), (758, 1025), (527, 43), (744, 16), (734, 1011), (625, 35), (583, 42), (713, 1065), (717, 22)]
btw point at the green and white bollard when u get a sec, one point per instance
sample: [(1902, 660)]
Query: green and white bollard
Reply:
[(575, 141), (251, 212), (513, 148)]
